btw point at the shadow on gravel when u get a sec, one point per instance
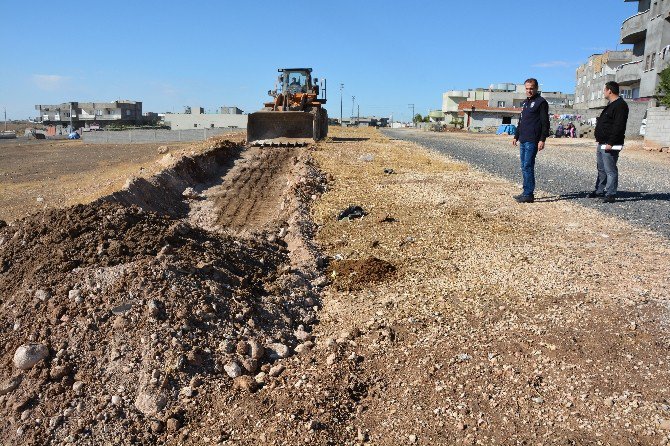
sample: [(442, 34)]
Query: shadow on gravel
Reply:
[(336, 139), (621, 196)]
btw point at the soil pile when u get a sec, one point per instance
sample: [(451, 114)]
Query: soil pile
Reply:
[(355, 274), (136, 314)]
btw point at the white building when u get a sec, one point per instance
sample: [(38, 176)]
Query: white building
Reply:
[(198, 119)]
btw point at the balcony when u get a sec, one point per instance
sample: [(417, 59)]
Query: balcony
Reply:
[(634, 28), (629, 73)]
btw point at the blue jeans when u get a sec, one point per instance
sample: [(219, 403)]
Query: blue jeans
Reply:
[(607, 181), (528, 152)]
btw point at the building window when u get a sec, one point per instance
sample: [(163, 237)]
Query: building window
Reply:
[(627, 94), (646, 63), (502, 104), (129, 112), (592, 95), (507, 120), (653, 61), (195, 125), (98, 113)]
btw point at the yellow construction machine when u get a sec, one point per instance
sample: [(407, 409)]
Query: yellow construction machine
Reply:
[(296, 115)]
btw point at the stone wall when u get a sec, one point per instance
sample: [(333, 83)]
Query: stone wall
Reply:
[(658, 128)]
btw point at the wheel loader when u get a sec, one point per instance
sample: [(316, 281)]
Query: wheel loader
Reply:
[(295, 116)]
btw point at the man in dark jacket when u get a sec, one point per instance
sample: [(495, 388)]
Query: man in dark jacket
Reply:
[(610, 133), (531, 133)]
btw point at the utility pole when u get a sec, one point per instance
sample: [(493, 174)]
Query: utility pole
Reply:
[(71, 127), (359, 114), (353, 101), (413, 123), (5, 119), (341, 88)]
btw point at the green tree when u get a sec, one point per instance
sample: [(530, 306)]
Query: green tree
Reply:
[(418, 118), (664, 87)]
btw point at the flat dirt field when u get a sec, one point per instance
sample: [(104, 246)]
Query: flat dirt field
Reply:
[(245, 312), (38, 174)]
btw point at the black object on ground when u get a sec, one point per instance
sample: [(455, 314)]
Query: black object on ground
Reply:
[(352, 212)]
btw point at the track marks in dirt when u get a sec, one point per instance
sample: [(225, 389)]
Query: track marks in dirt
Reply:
[(251, 193)]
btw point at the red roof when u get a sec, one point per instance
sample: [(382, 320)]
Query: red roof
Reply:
[(467, 105)]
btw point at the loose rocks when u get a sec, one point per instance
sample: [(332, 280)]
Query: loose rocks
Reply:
[(233, 369), (29, 355), (277, 351), (150, 404), (9, 385)]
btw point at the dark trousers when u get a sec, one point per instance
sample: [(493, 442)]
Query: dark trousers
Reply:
[(608, 173)]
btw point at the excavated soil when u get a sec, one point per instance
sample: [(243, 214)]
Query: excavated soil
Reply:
[(356, 274), (141, 312)]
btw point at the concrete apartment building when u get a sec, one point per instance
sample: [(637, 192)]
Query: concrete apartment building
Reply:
[(196, 118), (649, 33), (595, 73), (636, 70), (499, 104), (84, 114)]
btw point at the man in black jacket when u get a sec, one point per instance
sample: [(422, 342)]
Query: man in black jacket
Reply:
[(531, 134), (610, 133)]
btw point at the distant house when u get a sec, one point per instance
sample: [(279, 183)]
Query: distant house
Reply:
[(479, 114), (498, 104), (85, 114)]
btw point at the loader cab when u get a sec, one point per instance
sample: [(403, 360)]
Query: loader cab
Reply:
[(296, 80)]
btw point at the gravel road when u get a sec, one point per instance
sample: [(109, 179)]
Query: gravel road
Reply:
[(565, 173)]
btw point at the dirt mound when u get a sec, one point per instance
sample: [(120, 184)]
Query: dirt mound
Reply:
[(139, 312), (163, 192), (355, 274)]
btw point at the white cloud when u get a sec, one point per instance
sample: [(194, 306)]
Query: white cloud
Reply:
[(49, 82), (553, 64)]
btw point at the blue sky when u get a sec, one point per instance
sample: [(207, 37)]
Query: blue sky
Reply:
[(388, 54)]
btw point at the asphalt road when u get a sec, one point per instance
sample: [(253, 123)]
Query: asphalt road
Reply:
[(566, 174)]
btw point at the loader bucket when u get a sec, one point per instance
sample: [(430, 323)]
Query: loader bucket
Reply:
[(267, 127)]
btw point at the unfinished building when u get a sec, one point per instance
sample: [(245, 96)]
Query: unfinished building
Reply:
[(86, 114)]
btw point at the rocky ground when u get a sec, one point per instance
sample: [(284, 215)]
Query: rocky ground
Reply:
[(446, 314)]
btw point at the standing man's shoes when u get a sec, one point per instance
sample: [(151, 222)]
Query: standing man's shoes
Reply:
[(609, 199), (525, 198), (595, 194)]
